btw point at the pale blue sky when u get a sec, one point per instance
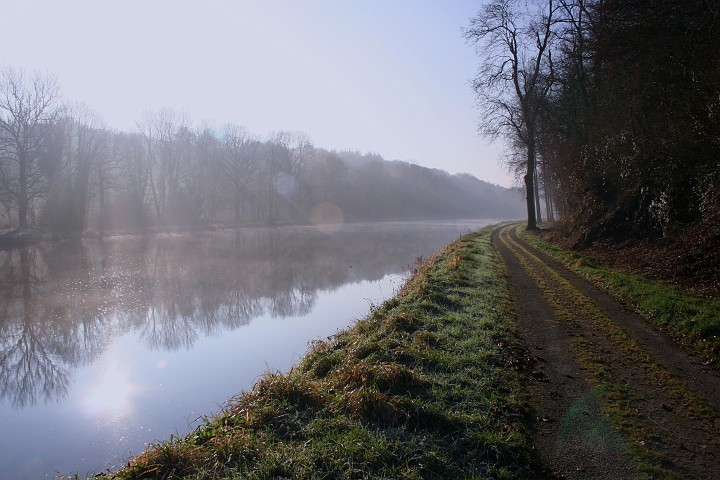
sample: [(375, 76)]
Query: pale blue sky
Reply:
[(387, 76)]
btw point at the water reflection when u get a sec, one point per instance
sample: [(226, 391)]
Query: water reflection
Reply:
[(29, 346), (63, 304)]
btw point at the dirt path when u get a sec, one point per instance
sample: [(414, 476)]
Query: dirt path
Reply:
[(614, 398)]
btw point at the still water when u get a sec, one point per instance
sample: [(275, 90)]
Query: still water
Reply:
[(108, 345)]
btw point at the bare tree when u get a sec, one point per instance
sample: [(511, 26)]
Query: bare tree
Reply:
[(327, 174), (302, 151), (106, 176), (203, 182), (163, 133), (84, 148), (26, 107), (92, 154), (278, 164), (514, 41), (132, 152), (239, 163)]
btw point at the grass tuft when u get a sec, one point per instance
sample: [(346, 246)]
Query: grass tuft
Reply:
[(420, 388)]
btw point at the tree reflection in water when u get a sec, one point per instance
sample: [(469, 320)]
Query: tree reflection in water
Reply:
[(63, 303), (29, 369)]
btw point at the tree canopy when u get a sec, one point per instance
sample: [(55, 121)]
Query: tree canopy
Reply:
[(628, 135)]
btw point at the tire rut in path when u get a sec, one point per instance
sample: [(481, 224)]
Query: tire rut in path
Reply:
[(596, 363)]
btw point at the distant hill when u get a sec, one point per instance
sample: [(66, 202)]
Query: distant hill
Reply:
[(170, 175), (375, 189)]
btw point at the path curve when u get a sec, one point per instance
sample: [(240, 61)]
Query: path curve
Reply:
[(614, 398)]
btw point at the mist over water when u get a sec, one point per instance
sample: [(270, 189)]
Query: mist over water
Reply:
[(106, 345)]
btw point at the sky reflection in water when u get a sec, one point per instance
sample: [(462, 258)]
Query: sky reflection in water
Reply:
[(108, 345)]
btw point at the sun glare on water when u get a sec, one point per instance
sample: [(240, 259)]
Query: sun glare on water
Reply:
[(111, 395)]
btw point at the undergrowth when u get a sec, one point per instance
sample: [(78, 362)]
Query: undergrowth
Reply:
[(427, 386), (691, 319)]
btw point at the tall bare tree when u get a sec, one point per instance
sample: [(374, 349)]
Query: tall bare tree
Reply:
[(164, 133), (26, 106), (204, 179), (85, 149), (514, 40), (239, 164)]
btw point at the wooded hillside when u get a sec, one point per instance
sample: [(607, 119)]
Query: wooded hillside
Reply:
[(62, 169)]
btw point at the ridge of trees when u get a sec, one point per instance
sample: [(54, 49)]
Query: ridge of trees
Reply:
[(627, 126), (62, 169)]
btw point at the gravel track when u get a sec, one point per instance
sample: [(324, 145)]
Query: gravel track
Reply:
[(614, 398)]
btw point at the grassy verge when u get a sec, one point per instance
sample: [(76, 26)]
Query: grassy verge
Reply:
[(427, 386), (693, 320)]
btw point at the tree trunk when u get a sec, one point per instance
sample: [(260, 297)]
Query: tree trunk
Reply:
[(237, 206), (529, 184), (22, 194), (104, 213), (549, 207), (538, 210)]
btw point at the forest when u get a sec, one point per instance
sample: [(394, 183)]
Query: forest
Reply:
[(62, 170), (612, 112)]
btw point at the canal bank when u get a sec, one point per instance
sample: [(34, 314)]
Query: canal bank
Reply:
[(111, 345), (429, 385), (493, 361)]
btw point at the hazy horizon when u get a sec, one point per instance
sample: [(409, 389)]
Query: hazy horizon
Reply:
[(386, 78)]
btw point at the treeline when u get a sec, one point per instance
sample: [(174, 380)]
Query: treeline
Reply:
[(62, 169), (614, 107)]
